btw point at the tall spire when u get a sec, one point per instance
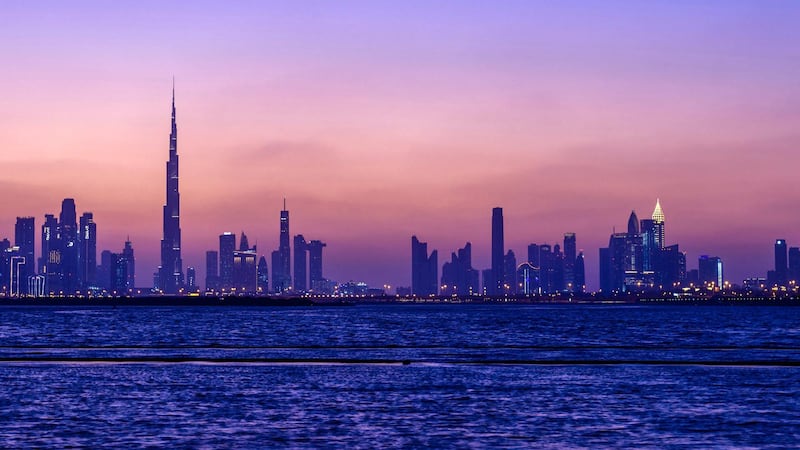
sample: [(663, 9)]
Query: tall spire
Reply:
[(658, 214), (170, 274)]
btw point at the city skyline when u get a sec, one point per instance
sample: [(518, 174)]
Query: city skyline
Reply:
[(400, 149)]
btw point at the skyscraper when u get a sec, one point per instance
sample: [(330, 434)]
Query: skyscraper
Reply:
[(424, 269), (282, 277), (119, 274), (130, 265), (570, 253), (510, 273), (87, 239), (170, 274), (458, 276), (24, 238), (315, 265), (710, 270), (49, 241), (244, 268), (212, 274), (227, 245), (498, 253), (70, 255), (658, 219), (579, 284), (263, 276), (781, 263), (794, 265), (300, 264), (191, 279)]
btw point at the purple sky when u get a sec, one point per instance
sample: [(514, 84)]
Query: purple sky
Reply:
[(379, 120)]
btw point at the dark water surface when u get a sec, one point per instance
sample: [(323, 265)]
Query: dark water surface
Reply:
[(413, 376)]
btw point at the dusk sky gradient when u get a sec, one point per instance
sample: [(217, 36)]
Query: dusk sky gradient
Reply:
[(379, 120)]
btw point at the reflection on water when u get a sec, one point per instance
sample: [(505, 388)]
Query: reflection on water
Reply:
[(437, 376)]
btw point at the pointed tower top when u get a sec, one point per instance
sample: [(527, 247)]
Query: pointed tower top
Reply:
[(658, 214), (284, 203), (633, 224)]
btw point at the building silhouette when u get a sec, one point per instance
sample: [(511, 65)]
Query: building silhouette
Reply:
[(170, 273), (794, 266), (300, 264), (458, 276), (424, 269), (191, 279), (227, 246), (281, 258), (119, 274), (710, 270), (570, 254), (130, 265), (25, 240), (498, 254), (244, 268), (579, 283), (212, 270), (68, 231), (510, 273), (781, 264), (263, 276), (87, 239), (317, 280)]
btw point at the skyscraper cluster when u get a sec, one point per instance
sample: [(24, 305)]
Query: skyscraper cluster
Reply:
[(546, 270), (639, 260), (786, 274), (634, 261), (243, 272), (68, 261)]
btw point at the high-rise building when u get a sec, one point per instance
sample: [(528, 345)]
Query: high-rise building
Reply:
[(87, 239), (119, 274), (227, 246), (533, 255), (794, 266), (498, 253), (212, 274), (570, 253), (130, 265), (318, 282), (275, 257), (170, 273), (579, 284), (263, 276), (191, 279), (781, 263), (24, 238), (104, 270), (710, 270), (527, 279), (70, 255), (458, 276), (658, 220), (50, 241), (281, 272), (300, 264), (510, 273), (672, 272), (244, 268), (606, 270), (424, 269)]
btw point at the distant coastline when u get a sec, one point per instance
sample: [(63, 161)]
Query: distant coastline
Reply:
[(225, 301)]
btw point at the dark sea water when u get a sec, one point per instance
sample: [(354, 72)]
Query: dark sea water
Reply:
[(400, 376)]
